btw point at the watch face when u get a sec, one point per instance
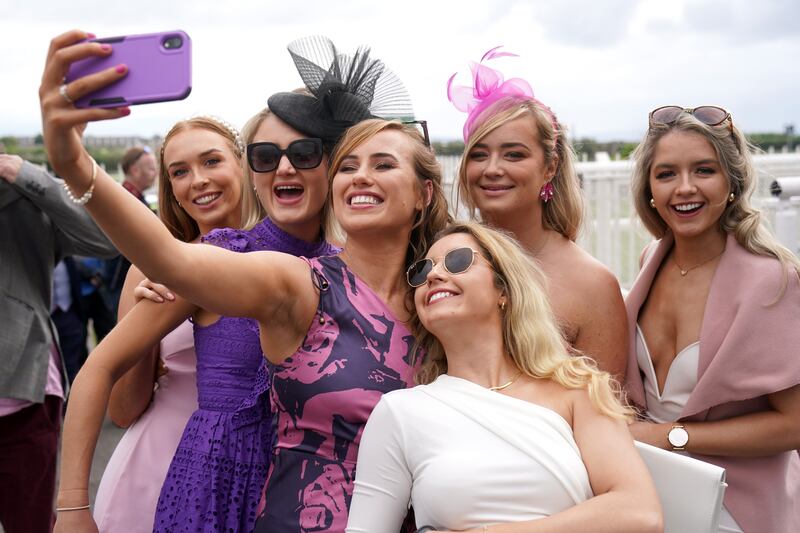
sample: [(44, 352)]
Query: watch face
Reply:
[(678, 437)]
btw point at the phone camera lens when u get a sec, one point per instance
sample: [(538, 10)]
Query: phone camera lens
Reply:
[(173, 42)]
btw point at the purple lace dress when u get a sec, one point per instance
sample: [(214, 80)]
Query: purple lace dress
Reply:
[(354, 352), (216, 477)]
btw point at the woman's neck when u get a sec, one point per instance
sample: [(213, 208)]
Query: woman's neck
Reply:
[(308, 231), (475, 352), (527, 228), (689, 251), (380, 263), (231, 221)]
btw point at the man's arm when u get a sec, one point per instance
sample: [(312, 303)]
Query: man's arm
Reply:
[(78, 234)]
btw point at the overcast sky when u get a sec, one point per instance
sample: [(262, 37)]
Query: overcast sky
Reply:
[(600, 64)]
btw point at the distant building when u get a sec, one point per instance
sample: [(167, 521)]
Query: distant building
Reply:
[(93, 141)]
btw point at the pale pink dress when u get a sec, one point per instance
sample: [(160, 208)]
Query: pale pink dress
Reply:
[(128, 493)]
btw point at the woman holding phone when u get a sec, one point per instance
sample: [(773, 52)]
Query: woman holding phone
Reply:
[(200, 188), (315, 317)]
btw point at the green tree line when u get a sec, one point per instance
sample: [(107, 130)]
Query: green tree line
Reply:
[(585, 147)]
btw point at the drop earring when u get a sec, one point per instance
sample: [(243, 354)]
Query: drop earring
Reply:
[(547, 192), (653, 203), (731, 198)]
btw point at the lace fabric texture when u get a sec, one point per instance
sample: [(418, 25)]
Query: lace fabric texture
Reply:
[(216, 477)]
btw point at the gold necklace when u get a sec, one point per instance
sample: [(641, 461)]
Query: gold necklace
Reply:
[(687, 270), (506, 385)]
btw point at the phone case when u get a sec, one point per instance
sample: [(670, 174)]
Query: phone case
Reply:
[(159, 70)]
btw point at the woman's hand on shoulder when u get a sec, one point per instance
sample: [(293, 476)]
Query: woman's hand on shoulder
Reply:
[(150, 290), (63, 123)]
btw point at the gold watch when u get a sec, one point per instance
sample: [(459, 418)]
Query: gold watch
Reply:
[(678, 437)]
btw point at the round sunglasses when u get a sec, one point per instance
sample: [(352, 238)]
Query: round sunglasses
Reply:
[(303, 154), (456, 261), (710, 115)]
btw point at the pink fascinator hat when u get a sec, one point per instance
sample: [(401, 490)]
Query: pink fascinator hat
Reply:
[(489, 86)]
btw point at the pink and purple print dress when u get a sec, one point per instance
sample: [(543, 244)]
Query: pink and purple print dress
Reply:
[(354, 352)]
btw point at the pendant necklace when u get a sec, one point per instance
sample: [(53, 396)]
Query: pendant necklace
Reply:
[(506, 385), (685, 271)]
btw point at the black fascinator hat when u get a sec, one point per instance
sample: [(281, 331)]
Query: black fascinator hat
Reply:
[(346, 89)]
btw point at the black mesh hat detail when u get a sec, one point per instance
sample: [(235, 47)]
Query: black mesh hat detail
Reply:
[(346, 89)]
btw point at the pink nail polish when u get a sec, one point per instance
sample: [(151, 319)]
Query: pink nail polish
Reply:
[(121, 68), (105, 47), (90, 36), (124, 111)]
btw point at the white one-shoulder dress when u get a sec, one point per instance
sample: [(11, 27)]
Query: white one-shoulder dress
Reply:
[(667, 405), (464, 457)]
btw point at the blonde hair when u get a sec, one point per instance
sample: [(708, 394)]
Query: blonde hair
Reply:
[(565, 211), (739, 218), (253, 211), (530, 334), (435, 216), (178, 221)]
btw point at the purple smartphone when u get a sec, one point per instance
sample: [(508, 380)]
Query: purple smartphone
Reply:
[(159, 70)]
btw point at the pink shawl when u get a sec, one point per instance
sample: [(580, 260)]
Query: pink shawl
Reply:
[(748, 349)]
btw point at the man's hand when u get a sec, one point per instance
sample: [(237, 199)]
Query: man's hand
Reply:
[(9, 167)]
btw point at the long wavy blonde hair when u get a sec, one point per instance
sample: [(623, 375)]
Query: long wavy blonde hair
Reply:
[(564, 213), (739, 218), (430, 220), (530, 334)]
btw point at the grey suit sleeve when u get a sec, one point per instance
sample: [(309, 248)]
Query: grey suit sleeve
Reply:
[(77, 232)]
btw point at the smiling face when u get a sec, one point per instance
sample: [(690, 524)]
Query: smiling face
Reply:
[(293, 198), (376, 186), (205, 176), (457, 300), (506, 170), (688, 185)]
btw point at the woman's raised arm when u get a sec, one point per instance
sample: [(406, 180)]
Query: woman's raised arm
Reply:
[(255, 285)]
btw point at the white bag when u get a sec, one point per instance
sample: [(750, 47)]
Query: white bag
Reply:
[(690, 490)]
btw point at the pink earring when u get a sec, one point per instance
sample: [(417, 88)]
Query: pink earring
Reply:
[(547, 192)]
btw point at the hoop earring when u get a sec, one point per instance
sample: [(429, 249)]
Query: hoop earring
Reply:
[(547, 192), (653, 203)]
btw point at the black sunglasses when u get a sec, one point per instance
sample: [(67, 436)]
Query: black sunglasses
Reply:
[(456, 261), (424, 125), (302, 154), (710, 115)]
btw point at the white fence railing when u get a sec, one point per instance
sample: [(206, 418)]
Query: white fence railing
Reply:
[(613, 233)]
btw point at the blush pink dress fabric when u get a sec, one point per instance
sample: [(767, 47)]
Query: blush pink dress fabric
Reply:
[(748, 350), (126, 499)]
